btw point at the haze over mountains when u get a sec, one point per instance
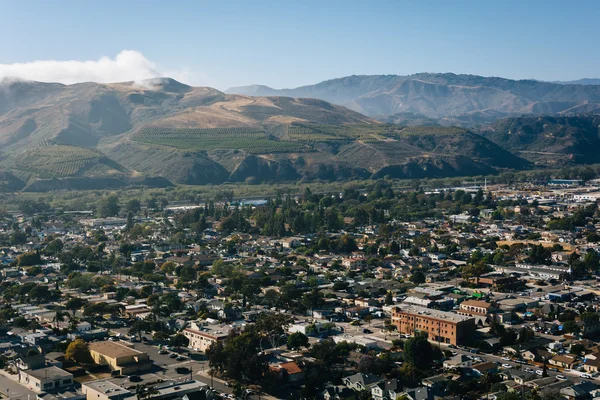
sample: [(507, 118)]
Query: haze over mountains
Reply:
[(445, 98), (161, 132)]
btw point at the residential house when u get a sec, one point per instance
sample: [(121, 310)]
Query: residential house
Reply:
[(458, 361), (386, 389), (359, 382), (563, 361), (578, 391), (45, 379)]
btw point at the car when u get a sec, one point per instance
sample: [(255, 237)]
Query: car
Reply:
[(584, 375), (451, 346), (135, 378), (182, 370), (528, 370), (506, 366), (113, 338), (172, 355), (163, 351), (505, 359), (181, 358), (367, 330), (539, 372), (561, 377)]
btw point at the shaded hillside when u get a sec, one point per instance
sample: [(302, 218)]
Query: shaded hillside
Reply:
[(549, 140), (307, 152), (462, 98)]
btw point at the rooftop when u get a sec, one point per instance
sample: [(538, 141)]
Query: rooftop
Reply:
[(431, 313), (106, 387), (49, 373), (113, 349)]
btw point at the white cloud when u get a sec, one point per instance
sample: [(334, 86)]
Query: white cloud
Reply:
[(128, 65)]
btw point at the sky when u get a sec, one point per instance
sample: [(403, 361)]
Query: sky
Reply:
[(285, 44)]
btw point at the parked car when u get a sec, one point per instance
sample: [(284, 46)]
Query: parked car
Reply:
[(163, 351), (181, 358), (182, 370), (172, 355), (561, 377), (135, 378)]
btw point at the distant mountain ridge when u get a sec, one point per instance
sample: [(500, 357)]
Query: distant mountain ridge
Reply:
[(584, 81), (445, 96), (161, 132)]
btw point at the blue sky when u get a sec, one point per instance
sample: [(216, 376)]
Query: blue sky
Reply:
[(291, 43)]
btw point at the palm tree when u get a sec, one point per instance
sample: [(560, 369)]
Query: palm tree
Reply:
[(59, 317), (486, 380)]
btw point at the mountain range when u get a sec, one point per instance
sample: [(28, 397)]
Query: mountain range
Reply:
[(448, 99), (161, 132)]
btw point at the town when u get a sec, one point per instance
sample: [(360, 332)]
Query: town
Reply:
[(466, 292)]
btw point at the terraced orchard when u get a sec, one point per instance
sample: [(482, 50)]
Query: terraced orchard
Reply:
[(251, 140), (58, 160)]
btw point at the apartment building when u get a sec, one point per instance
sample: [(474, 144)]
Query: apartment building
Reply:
[(441, 326), (202, 337)]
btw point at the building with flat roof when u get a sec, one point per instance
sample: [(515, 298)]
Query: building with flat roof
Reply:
[(118, 357), (47, 379), (441, 326), (201, 338), (104, 390)]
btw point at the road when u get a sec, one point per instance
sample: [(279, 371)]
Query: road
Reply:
[(14, 390), (165, 367)]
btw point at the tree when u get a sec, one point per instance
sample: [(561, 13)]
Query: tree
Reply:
[(297, 340), (108, 206), (59, 316), (180, 340), (417, 278), (418, 353), (133, 206), (29, 258), (79, 351), (272, 326), (577, 348), (139, 327), (74, 304), (389, 299)]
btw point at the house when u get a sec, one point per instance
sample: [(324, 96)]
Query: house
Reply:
[(484, 367), (591, 365), (31, 362), (421, 393), (337, 392), (48, 379), (458, 361), (290, 372), (563, 361), (385, 389), (359, 382), (579, 391)]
